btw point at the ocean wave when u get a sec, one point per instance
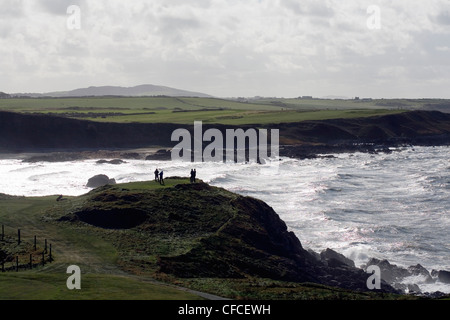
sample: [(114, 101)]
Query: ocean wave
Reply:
[(55, 175), (25, 169), (386, 206)]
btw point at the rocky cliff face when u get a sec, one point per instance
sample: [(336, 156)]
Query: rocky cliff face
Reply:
[(372, 134), (407, 126), (21, 132), (216, 234), (256, 242)]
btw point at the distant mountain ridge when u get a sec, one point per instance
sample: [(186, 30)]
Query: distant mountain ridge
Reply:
[(136, 91)]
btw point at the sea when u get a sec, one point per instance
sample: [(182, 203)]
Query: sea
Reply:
[(393, 206)]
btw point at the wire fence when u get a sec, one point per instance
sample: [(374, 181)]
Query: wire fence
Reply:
[(17, 254)]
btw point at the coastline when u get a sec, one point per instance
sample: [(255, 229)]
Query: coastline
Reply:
[(299, 152), (47, 138), (328, 261), (391, 268), (48, 155), (321, 147)]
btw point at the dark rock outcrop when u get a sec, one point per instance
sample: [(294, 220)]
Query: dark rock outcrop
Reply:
[(255, 234), (160, 155), (398, 276), (224, 235), (114, 161), (419, 270), (389, 272), (36, 132), (99, 181), (333, 258), (444, 276)]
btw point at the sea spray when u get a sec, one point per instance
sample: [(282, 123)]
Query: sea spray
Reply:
[(388, 206)]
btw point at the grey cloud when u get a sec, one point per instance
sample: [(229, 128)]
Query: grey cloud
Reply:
[(169, 23), (232, 47), (312, 8), (320, 9), (442, 18), (5, 30), (190, 3), (72, 48), (59, 7), (173, 28), (430, 44), (12, 9)]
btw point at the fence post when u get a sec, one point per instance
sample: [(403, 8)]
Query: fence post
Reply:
[(45, 247), (34, 243), (31, 261), (18, 236), (50, 254)]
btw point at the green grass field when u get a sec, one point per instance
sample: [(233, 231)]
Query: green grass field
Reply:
[(341, 104), (101, 278), (208, 110), (48, 285)]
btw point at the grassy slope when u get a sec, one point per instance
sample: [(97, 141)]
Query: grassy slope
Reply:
[(121, 264), (101, 277), (48, 285)]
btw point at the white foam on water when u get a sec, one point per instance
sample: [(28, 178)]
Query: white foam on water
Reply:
[(388, 206)]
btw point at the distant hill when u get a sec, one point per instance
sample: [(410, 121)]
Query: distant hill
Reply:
[(137, 91)]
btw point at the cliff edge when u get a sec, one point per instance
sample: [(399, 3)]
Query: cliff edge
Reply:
[(198, 231)]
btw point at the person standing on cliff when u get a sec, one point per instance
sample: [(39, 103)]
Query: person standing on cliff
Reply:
[(156, 174), (161, 177), (192, 176)]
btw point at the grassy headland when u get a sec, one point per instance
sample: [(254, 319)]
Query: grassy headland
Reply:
[(140, 240)]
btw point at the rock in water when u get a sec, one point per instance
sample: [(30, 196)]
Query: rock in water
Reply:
[(114, 161), (99, 181), (444, 276), (161, 154), (419, 270), (390, 273)]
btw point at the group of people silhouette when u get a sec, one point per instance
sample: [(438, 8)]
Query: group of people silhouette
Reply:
[(159, 175), (193, 174)]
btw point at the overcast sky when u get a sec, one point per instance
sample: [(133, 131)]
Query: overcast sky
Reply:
[(229, 48)]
